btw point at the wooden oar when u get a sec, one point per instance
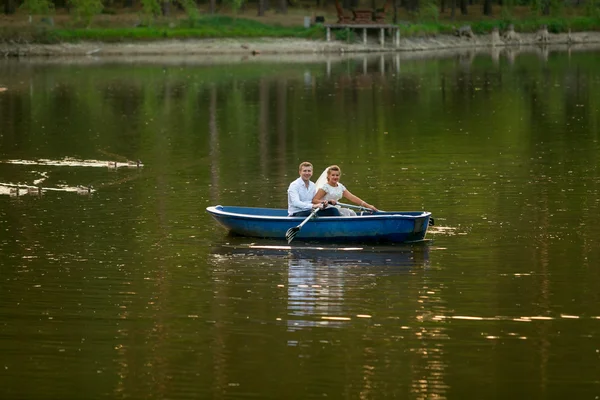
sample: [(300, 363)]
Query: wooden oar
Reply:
[(431, 220), (357, 207), (292, 232)]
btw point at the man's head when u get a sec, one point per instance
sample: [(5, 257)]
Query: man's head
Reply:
[(305, 170)]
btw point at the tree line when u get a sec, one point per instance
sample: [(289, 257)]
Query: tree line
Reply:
[(430, 9)]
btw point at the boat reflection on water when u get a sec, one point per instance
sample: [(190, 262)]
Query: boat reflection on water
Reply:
[(396, 258), (326, 285)]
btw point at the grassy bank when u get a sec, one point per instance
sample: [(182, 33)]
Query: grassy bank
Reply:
[(527, 25), (45, 31), (205, 27)]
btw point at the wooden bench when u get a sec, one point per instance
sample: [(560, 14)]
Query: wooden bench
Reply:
[(363, 16)]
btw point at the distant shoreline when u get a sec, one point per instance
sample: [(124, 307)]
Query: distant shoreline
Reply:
[(256, 46)]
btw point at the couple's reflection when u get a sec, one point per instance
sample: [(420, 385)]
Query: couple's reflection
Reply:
[(318, 279), (315, 291)]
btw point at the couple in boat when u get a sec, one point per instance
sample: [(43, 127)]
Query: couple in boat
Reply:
[(304, 195)]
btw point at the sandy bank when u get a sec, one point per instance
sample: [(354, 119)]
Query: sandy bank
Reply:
[(254, 47)]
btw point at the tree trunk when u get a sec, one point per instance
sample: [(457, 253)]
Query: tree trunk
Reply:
[(281, 118), (264, 110), (9, 7), (464, 7), (395, 20), (214, 148), (487, 7), (442, 6), (261, 8), (452, 10), (165, 8), (283, 6), (212, 7), (412, 5), (546, 7)]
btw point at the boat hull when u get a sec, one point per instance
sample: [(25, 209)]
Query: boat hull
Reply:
[(392, 227)]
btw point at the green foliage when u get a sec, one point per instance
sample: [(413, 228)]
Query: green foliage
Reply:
[(150, 9), (345, 35), (506, 14), (592, 8), (29, 34), (235, 5), (508, 5), (417, 30), (483, 27), (224, 26), (536, 7), (190, 9), (556, 8), (555, 25), (38, 7), (219, 26), (429, 12), (85, 10), (204, 27), (584, 23)]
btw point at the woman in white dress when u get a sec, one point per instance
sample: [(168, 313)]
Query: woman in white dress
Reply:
[(331, 190)]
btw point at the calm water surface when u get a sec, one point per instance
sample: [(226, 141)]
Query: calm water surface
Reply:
[(115, 283)]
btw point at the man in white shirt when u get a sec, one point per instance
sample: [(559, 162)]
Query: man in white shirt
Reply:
[(301, 192)]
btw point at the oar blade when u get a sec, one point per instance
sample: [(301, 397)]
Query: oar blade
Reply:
[(291, 234)]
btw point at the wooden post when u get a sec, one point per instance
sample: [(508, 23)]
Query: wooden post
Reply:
[(397, 37), (328, 34), (381, 37), (365, 36)]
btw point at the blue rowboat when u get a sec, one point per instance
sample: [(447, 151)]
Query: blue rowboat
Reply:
[(390, 227)]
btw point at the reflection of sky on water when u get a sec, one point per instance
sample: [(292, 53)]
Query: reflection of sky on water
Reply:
[(38, 177)]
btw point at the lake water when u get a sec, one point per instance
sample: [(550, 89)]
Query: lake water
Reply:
[(116, 284)]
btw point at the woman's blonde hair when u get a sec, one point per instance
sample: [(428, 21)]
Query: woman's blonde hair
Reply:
[(333, 168)]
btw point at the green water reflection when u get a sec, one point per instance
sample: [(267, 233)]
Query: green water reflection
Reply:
[(116, 284)]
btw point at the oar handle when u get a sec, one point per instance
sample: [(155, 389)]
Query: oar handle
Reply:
[(357, 207), (312, 214)]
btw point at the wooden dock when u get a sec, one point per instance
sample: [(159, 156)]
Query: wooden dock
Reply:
[(393, 29)]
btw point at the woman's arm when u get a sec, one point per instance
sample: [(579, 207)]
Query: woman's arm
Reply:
[(318, 199), (318, 196), (357, 200)]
